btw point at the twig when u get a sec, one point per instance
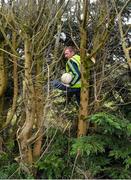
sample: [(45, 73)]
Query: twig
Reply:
[(78, 153)]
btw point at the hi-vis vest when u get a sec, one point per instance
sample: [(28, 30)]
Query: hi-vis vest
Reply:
[(76, 59)]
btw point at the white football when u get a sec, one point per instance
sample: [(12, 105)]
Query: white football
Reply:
[(66, 78)]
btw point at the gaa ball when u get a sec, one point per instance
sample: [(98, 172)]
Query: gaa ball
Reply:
[(66, 78)]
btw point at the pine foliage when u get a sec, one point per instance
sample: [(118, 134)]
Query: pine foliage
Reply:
[(106, 153)]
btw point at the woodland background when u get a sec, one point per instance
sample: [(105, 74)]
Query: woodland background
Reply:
[(40, 135)]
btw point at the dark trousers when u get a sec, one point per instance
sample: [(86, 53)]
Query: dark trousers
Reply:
[(70, 92)]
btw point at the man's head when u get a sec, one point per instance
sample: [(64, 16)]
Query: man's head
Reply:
[(69, 52)]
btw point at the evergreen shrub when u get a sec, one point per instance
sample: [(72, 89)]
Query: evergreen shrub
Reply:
[(106, 153)]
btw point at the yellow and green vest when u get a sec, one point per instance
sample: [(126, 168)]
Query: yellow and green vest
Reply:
[(73, 72)]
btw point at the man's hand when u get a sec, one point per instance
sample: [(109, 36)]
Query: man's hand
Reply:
[(67, 85)]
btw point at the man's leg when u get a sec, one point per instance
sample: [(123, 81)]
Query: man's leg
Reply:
[(77, 94), (69, 97)]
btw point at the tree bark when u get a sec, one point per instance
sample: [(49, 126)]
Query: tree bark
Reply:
[(3, 83), (39, 109), (29, 103), (3, 77), (83, 114)]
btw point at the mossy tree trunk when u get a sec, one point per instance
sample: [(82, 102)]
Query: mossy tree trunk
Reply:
[(83, 114), (3, 82), (29, 105), (39, 98)]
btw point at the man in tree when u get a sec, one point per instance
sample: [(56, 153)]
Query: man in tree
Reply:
[(73, 68)]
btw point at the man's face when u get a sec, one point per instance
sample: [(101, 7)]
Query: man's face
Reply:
[(68, 54)]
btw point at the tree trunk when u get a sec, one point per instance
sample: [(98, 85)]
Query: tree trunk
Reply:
[(29, 102), (39, 109), (83, 114), (3, 77), (3, 83)]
